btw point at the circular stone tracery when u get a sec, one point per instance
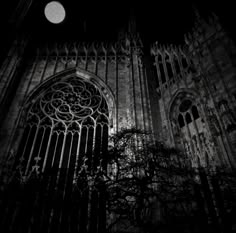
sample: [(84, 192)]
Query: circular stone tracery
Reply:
[(72, 99), (185, 105)]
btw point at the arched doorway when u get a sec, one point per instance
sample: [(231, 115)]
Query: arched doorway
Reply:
[(64, 141)]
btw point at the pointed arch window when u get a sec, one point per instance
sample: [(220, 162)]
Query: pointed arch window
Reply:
[(67, 121), (192, 134), (161, 67), (154, 73), (188, 118), (66, 131), (168, 66), (181, 121), (184, 62), (176, 63), (195, 112)]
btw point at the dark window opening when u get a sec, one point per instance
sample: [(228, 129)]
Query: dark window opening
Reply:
[(185, 105), (181, 121), (177, 68), (235, 96), (195, 112), (154, 74), (161, 69), (188, 118), (162, 72), (169, 70), (214, 87), (207, 159), (184, 62), (83, 54)]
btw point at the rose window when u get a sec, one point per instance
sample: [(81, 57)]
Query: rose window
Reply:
[(67, 121)]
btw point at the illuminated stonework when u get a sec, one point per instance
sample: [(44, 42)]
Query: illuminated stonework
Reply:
[(66, 120), (64, 99)]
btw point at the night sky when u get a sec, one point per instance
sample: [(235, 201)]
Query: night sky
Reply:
[(162, 21)]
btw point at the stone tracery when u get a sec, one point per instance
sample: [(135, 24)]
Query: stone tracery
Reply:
[(189, 129), (68, 119)]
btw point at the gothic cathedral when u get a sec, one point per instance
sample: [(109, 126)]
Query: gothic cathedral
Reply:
[(59, 100)]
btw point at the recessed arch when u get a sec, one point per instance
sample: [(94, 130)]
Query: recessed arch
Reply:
[(76, 72), (65, 129), (191, 133), (178, 97), (72, 102), (188, 118)]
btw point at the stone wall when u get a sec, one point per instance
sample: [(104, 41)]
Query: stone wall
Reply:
[(119, 67)]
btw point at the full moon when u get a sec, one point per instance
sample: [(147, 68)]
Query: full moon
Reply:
[(54, 12)]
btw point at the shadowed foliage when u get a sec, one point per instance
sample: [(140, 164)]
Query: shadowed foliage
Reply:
[(140, 185)]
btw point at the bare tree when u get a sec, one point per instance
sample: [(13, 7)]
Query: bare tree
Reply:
[(144, 181), (139, 185), (151, 187)]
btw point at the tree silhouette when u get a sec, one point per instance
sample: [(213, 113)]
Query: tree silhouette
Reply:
[(148, 182), (151, 187), (138, 185)]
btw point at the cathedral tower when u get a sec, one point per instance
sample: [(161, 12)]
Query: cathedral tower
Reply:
[(196, 89)]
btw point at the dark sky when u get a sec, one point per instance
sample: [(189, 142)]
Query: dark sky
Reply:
[(164, 21)]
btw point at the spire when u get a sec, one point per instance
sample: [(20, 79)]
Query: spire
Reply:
[(20, 12), (196, 11), (84, 26), (132, 27), (199, 19)]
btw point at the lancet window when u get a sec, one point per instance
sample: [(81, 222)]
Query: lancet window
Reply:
[(192, 132), (161, 68), (168, 66), (154, 74), (176, 63), (184, 62)]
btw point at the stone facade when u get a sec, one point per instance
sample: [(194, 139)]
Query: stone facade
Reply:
[(184, 94), (115, 68), (196, 89), (59, 101)]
